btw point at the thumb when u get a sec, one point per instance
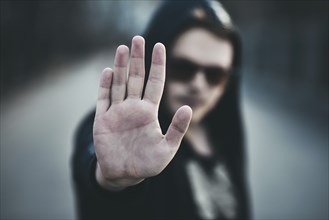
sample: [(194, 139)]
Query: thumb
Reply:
[(178, 126)]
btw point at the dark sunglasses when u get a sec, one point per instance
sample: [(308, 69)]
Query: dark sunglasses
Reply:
[(184, 70)]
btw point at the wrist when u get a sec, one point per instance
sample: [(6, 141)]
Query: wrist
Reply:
[(114, 184)]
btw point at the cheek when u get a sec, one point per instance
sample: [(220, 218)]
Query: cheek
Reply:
[(215, 95), (173, 89)]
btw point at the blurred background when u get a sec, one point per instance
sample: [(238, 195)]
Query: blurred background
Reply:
[(52, 54)]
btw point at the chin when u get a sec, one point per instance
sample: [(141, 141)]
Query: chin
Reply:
[(197, 117)]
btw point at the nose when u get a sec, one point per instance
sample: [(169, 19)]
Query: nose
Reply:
[(199, 81)]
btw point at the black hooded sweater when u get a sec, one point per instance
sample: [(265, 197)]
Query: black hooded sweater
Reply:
[(172, 194)]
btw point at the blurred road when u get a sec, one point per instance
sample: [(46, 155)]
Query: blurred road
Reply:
[(37, 128), (288, 152)]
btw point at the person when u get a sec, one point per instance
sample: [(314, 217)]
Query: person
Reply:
[(180, 156)]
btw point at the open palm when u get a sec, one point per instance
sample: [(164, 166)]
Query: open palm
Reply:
[(128, 139)]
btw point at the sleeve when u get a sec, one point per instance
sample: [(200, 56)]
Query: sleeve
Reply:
[(92, 201)]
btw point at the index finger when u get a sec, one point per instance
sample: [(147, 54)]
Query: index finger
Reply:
[(155, 82)]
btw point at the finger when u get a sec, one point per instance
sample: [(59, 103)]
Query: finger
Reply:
[(178, 126), (136, 68), (155, 83), (103, 99), (118, 89)]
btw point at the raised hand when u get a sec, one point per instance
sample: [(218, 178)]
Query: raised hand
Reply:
[(128, 140)]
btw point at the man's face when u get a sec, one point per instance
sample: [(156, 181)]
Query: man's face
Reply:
[(198, 71)]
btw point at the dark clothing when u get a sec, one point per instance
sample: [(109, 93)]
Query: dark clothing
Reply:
[(170, 195)]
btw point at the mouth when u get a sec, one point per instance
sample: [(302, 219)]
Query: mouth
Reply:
[(193, 102)]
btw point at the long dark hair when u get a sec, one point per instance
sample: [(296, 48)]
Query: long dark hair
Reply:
[(224, 122)]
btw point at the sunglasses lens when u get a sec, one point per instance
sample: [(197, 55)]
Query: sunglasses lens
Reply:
[(215, 75), (181, 69)]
